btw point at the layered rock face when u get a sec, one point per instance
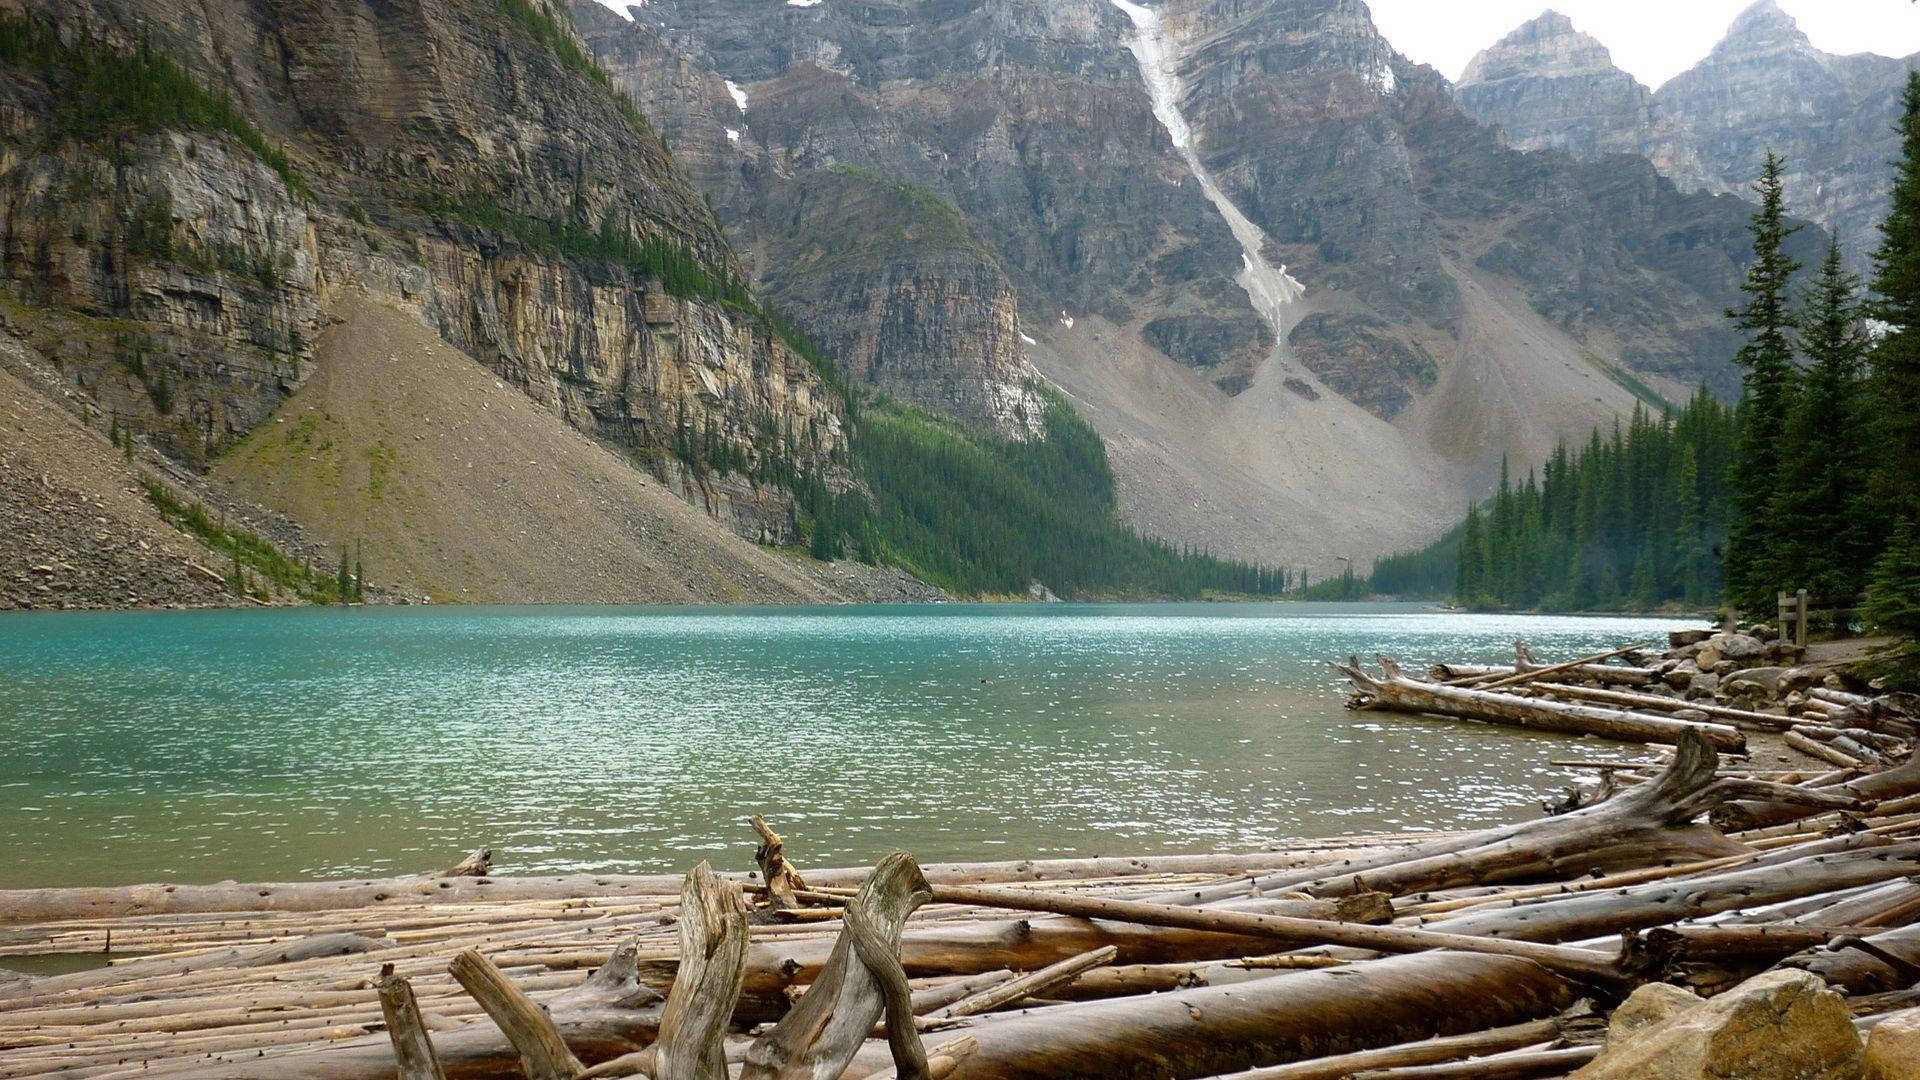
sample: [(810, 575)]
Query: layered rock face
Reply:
[(457, 157), (1551, 87), (1371, 182), (1463, 299), (1764, 85), (862, 248)]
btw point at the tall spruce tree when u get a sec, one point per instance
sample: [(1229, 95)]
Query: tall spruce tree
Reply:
[(1894, 488), (1769, 382), (1822, 541)]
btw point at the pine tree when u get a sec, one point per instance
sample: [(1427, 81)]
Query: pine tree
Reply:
[(1894, 390), (1769, 381), (343, 581), (1819, 518), (1893, 603)]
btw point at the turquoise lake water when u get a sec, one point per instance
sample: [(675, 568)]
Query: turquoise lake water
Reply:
[(270, 745)]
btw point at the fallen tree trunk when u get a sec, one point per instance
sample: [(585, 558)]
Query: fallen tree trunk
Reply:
[(612, 1014), (861, 981), (1901, 780), (1883, 962), (47, 905), (1396, 692), (1665, 704), (1573, 963), (1646, 825), (1207, 1030), (1424, 1052), (973, 946), (1593, 914)]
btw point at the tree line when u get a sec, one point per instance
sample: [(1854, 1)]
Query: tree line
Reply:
[(1812, 481)]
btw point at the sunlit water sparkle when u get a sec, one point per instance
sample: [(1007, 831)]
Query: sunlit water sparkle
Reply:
[(283, 744)]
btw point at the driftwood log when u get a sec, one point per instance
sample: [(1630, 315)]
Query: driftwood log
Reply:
[(1394, 691), (412, 1046), (1900, 780), (861, 982), (693, 1025), (1289, 1017), (120, 901), (1648, 823)]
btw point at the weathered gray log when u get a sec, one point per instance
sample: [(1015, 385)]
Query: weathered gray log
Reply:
[(1573, 963), (1030, 984), (47, 905), (1395, 692), (861, 982), (535, 1038), (412, 1046), (612, 1014), (1580, 916), (1525, 663), (1900, 780), (248, 956), (965, 986), (713, 961), (1290, 1017), (1884, 962), (1512, 1065), (963, 947), (1663, 704), (1645, 825), (1424, 1052)]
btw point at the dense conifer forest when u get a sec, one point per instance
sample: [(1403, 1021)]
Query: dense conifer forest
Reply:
[(1812, 481)]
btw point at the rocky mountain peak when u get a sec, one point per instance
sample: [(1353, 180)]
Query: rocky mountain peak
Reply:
[(1546, 46), (1762, 30)]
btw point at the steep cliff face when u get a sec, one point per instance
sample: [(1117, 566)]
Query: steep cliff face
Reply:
[(1764, 85), (1551, 87), (461, 157), (1462, 299), (883, 271), (1022, 114)]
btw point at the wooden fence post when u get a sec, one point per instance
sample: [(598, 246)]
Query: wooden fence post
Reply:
[(1800, 619)]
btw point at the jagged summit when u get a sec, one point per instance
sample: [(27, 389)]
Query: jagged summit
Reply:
[(1548, 44), (1761, 30)]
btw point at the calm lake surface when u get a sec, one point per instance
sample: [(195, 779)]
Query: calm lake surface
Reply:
[(271, 745)]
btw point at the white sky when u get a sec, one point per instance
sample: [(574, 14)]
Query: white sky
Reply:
[(1653, 39)]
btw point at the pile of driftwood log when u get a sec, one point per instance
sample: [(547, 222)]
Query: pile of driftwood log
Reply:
[(1685, 915)]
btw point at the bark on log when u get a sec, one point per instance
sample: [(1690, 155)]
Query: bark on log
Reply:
[(1395, 692), (412, 1047), (1207, 1030), (861, 981), (1424, 1052), (536, 1039)]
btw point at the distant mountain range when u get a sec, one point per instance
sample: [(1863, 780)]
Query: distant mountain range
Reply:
[(1550, 87)]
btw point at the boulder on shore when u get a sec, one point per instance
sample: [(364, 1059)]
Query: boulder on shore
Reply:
[(1779, 1024), (1647, 1006), (1893, 1047)]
